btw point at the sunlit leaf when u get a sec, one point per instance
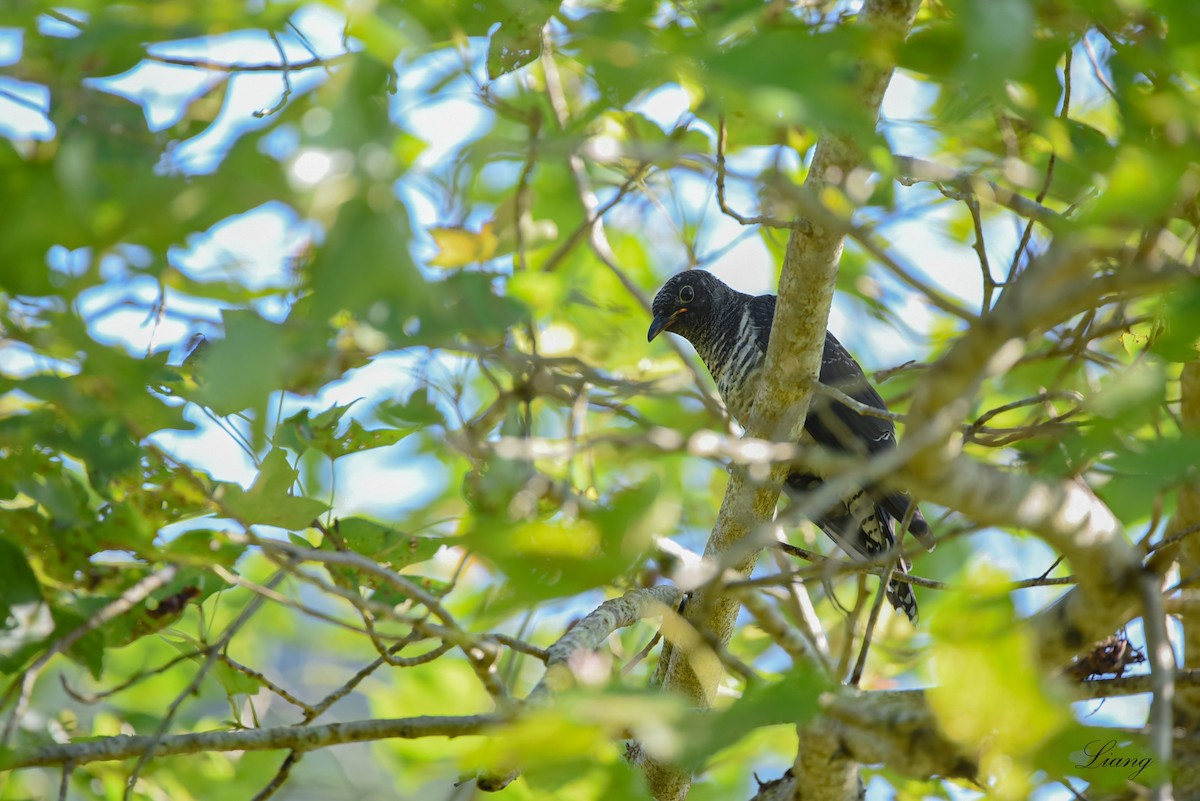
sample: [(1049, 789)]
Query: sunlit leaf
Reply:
[(302, 431), (269, 500), (459, 247)]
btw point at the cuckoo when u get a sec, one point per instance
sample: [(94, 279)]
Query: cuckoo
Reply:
[(730, 331)]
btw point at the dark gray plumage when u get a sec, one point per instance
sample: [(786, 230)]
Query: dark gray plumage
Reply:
[(730, 330)]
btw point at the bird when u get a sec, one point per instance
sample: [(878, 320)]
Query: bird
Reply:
[(730, 331)]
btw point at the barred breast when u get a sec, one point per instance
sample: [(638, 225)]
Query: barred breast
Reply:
[(740, 367)]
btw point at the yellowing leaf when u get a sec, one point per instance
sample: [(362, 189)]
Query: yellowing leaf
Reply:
[(458, 247)]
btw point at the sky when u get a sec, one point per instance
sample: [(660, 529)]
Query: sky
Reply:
[(255, 247)]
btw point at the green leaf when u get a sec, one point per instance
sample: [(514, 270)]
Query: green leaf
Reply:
[(302, 431), (374, 245), (563, 555), (165, 606), (203, 547), (18, 584), (241, 370), (1142, 186), (234, 681), (992, 697), (88, 650), (382, 543), (418, 410), (1106, 759), (748, 78), (511, 48), (789, 700), (518, 40), (1180, 315), (269, 500)]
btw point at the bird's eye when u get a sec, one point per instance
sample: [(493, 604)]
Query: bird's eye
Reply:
[(686, 294)]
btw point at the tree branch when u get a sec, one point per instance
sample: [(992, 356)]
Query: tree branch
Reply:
[(296, 738), (591, 632), (1134, 685), (584, 637), (224, 66), (913, 170), (896, 729), (1066, 514), (792, 364)]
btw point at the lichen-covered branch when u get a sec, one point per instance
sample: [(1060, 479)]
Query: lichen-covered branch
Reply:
[(585, 636), (591, 632), (296, 738), (1185, 680), (792, 364), (897, 729), (894, 729)]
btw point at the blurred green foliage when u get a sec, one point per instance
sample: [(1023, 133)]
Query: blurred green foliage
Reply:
[(476, 269)]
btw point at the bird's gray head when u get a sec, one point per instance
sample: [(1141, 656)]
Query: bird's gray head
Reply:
[(689, 304)]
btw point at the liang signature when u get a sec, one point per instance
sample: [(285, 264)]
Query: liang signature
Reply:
[(1105, 755)]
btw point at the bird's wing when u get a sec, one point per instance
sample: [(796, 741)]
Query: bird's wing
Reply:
[(831, 423), (837, 426), (762, 314)]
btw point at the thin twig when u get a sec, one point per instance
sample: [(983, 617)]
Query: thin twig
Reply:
[(827, 565), (595, 223), (861, 408), (281, 776), (912, 170), (285, 74), (224, 66), (133, 681), (872, 619), (1097, 70), (520, 646), (259, 678), (642, 653), (980, 248), (769, 222), (792, 640), (23, 101), (1049, 179), (64, 784)]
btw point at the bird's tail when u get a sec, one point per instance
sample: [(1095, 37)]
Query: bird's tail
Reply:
[(900, 595), (898, 504), (862, 529)]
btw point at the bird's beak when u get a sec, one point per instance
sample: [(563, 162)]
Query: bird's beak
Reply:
[(662, 323)]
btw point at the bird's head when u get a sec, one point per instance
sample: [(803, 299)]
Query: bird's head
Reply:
[(688, 304)]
